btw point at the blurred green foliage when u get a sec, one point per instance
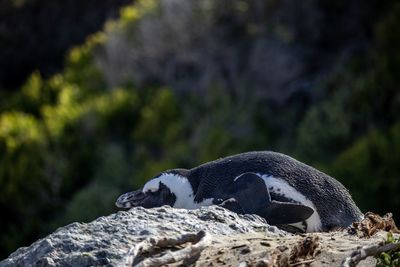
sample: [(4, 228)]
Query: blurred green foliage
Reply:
[(372, 166), (354, 133), (71, 143), (36, 34)]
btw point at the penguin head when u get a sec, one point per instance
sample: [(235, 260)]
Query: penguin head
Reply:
[(168, 188)]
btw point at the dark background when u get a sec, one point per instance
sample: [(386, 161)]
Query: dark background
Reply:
[(95, 100)]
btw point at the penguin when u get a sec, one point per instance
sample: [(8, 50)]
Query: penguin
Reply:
[(286, 192)]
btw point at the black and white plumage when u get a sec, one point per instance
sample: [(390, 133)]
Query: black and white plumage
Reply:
[(277, 187)]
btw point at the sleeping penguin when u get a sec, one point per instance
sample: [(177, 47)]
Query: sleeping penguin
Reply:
[(284, 191)]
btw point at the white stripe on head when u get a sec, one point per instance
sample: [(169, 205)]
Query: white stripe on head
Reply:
[(181, 187), (314, 222)]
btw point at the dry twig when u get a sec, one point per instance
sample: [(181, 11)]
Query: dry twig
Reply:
[(367, 251), (302, 262), (199, 242)]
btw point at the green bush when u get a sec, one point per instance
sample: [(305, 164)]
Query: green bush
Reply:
[(25, 187), (371, 167), (325, 130), (389, 258)]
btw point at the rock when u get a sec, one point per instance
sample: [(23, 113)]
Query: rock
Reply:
[(235, 240), (106, 241)]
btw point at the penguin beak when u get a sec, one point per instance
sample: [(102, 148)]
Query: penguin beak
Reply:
[(130, 199)]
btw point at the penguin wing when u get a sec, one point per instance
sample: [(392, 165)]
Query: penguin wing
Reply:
[(285, 212), (252, 196), (251, 193)]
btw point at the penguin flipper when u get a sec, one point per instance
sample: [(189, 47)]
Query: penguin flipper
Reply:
[(251, 193), (285, 212), (252, 196)]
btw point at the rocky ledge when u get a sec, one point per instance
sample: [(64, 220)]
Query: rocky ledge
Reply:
[(210, 236)]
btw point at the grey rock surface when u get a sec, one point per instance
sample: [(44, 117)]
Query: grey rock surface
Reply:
[(106, 240)]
